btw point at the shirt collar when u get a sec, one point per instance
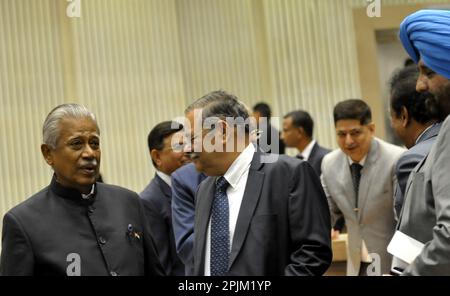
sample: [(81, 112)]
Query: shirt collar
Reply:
[(72, 193), (423, 133), (361, 162), (239, 166), (308, 149), (90, 194), (165, 178)]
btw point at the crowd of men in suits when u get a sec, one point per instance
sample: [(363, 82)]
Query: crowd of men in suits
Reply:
[(225, 202)]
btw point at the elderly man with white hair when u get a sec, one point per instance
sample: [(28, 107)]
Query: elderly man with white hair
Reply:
[(77, 226)]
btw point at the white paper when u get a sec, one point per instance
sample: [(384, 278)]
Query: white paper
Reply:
[(404, 247)]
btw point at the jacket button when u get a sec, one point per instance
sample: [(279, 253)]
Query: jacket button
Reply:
[(113, 273), (102, 240), (91, 210)]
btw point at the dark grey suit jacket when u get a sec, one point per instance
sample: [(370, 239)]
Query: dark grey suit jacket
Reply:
[(40, 234), (283, 226), (316, 156), (409, 160), (157, 200), (426, 211)]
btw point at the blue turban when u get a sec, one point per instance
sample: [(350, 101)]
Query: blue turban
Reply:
[(426, 34)]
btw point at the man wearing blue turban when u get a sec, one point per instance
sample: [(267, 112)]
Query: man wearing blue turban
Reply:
[(425, 216)]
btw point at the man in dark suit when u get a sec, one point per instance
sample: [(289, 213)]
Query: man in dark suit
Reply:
[(185, 182), (258, 214), (77, 226), (165, 148), (414, 119), (298, 133), (298, 127), (269, 139)]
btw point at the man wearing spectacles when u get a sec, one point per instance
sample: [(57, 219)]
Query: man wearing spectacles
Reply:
[(257, 214), (165, 145)]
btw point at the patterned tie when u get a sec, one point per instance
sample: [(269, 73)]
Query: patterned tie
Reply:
[(220, 235), (356, 168)]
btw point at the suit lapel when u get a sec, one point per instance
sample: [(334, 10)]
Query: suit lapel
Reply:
[(165, 188), (313, 153), (250, 199), (406, 209), (204, 198), (367, 175), (430, 133)]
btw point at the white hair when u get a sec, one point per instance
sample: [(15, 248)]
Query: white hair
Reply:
[(50, 130)]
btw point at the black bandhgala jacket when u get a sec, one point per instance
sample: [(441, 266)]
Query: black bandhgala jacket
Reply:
[(57, 232)]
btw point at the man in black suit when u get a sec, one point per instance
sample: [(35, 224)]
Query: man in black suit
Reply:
[(165, 148), (257, 213), (269, 139), (298, 127), (298, 133), (77, 226), (415, 120)]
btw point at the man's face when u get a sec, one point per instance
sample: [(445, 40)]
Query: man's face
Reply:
[(437, 85), (171, 157), (76, 158), (291, 135), (353, 138), (204, 161)]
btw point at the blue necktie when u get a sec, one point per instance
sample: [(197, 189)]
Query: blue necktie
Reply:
[(220, 230)]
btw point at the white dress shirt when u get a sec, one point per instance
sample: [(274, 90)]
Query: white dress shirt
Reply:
[(236, 175), (165, 177), (365, 257), (88, 196), (307, 151)]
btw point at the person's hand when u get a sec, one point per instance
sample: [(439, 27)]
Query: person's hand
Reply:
[(334, 234)]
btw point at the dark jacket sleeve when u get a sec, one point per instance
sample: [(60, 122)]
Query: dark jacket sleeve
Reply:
[(310, 224), (183, 213), (152, 263), (160, 232), (17, 255)]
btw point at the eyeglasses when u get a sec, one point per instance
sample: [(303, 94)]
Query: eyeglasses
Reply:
[(177, 147)]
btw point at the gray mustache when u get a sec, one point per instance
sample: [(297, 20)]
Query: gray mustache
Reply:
[(89, 163)]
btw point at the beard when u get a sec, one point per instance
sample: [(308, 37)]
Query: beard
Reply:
[(443, 99)]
